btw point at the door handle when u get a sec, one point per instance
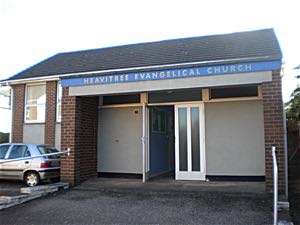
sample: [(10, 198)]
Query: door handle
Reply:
[(26, 162)]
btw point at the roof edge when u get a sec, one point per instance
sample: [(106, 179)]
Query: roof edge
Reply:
[(214, 62)]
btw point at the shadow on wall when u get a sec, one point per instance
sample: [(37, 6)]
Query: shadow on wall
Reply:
[(4, 137)]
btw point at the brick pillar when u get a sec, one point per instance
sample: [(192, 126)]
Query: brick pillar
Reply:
[(274, 130), (79, 133), (50, 112), (88, 137), (18, 112), (69, 164)]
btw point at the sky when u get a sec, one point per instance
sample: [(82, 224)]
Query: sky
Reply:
[(33, 30)]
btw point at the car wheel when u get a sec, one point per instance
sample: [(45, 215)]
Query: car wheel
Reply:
[(32, 179)]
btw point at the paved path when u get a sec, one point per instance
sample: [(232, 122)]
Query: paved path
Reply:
[(93, 204)]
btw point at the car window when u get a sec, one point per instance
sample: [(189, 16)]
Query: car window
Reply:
[(19, 151), (3, 150), (47, 150)]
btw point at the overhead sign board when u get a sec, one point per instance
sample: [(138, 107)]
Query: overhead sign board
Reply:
[(172, 73)]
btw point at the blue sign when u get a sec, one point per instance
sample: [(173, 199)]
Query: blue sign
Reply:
[(172, 73)]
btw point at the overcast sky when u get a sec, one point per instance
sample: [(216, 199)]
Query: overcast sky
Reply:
[(33, 30)]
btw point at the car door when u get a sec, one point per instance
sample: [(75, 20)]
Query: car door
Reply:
[(3, 152), (14, 170)]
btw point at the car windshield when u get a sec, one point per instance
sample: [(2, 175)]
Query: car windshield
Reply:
[(47, 150)]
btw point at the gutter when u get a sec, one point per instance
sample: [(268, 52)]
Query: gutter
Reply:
[(59, 76)]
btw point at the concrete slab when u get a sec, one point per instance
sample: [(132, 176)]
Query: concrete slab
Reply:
[(44, 189), (30, 193), (6, 201)]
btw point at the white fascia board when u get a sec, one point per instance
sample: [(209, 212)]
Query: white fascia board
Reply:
[(30, 80)]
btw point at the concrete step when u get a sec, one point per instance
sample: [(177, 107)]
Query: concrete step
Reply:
[(44, 189), (7, 201), (30, 193)]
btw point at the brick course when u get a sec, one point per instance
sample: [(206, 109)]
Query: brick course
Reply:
[(18, 112), (79, 133), (50, 120), (274, 130)]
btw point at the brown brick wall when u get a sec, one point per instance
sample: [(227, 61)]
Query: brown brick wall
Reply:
[(79, 133), (18, 112), (274, 129), (50, 112)]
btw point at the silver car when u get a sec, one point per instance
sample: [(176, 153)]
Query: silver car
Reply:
[(32, 171)]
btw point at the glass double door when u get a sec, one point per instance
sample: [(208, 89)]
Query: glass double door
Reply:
[(189, 142)]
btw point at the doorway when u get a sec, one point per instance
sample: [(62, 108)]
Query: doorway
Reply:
[(190, 144), (162, 141), (177, 146)]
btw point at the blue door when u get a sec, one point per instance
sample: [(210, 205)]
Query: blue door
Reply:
[(160, 140)]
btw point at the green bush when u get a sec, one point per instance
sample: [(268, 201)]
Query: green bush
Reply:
[(4, 137)]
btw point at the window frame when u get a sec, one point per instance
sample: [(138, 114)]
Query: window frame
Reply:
[(30, 105), (58, 102)]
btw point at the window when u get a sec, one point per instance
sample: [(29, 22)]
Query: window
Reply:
[(19, 151), (234, 92), (48, 150), (35, 103), (121, 99), (58, 102), (3, 150), (176, 96), (159, 120)]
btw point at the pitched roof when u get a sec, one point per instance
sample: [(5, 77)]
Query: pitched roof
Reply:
[(260, 45)]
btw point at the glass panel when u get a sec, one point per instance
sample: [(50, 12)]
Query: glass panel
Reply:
[(182, 120), (121, 99), (36, 94), (175, 96), (48, 150), (19, 151), (35, 113), (234, 92), (195, 139), (31, 113), (3, 150), (159, 120)]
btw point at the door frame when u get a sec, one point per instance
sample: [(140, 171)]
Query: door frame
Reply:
[(145, 142), (189, 174)]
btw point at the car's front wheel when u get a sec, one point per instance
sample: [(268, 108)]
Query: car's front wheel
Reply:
[(32, 179)]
